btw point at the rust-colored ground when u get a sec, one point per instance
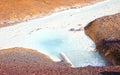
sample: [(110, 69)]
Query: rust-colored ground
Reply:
[(47, 69), (13, 56), (12, 11), (22, 61)]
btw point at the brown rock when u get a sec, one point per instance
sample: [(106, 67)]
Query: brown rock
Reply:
[(105, 32)]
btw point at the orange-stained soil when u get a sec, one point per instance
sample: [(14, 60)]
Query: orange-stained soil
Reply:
[(12, 11)]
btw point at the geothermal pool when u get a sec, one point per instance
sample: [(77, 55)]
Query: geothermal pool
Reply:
[(75, 45), (52, 34)]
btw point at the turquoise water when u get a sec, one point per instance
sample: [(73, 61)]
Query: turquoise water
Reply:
[(78, 47), (75, 45), (52, 43)]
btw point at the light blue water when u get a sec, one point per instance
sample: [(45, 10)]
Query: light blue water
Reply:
[(54, 36), (75, 45)]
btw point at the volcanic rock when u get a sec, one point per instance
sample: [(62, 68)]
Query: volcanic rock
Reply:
[(105, 32)]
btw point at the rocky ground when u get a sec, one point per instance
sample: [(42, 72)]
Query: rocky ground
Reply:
[(22, 61), (105, 33), (13, 11)]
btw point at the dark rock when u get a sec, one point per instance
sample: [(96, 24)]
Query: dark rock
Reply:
[(105, 32), (109, 73), (76, 29)]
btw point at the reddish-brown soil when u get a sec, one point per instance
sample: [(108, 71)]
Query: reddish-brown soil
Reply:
[(13, 56), (105, 32), (48, 69), (12, 11), (22, 61)]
